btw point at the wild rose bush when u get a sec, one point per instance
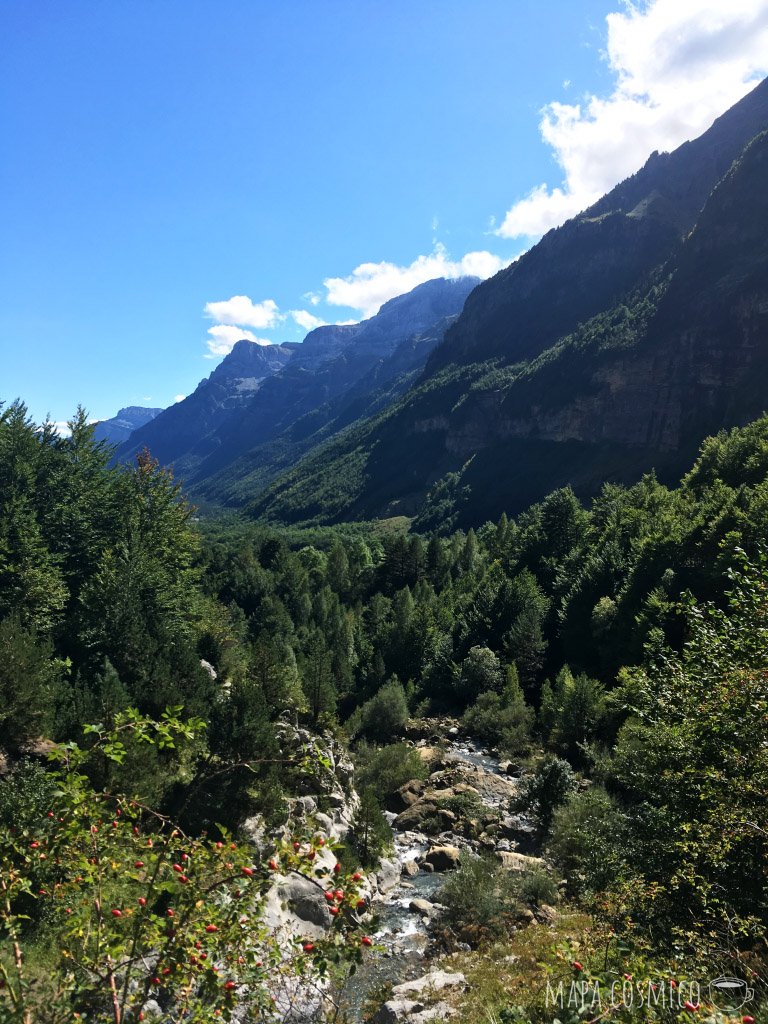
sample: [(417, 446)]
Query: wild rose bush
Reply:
[(106, 904)]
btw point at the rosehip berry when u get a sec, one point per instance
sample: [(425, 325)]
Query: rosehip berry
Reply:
[(117, 913), (297, 846), (169, 912), (248, 872), (357, 877), (337, 868), (577, 966), (330, 897), (34, 845), (229, 985), (211, 928), (308, 947), (142, 901), (273, 865), (361, 904), (334, 910), (138, 863), (366, 941), (177, 868)]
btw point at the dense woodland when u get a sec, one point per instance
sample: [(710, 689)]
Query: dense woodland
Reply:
[(623, 643)]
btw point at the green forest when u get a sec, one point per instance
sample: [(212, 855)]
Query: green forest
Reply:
[(615, 651)]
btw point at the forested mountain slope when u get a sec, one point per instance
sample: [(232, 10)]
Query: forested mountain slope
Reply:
[(499, 419)]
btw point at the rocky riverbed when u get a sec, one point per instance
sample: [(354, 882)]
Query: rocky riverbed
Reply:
[(461, 808)]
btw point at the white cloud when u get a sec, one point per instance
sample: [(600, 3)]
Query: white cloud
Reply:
[(224, 336), (372, 284), (678, 65), (179, 398), (243, 312), (307, 320)]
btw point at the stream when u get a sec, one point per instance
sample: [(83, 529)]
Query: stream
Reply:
[(401, 934)]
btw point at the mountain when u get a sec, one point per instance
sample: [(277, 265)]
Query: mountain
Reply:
[(237, 426), (120, 427), (182, 428), (612, 347)]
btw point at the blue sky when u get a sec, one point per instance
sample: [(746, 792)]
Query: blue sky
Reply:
[(178, 174)]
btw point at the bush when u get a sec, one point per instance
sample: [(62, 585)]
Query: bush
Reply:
[(481, 897), (370, 834), (501, 720), (543, 792), (386, 769), (537, 887), (586, 833), (383, 716)]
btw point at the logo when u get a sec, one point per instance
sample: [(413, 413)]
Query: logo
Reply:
[(730, 993)]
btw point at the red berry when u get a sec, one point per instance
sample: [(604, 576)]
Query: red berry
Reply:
[(177, 868), (229, 985), (357, 877), (142, 901), (337, 868), (50, 814), (747, 1020), (577, 966), (141, 1015), (321, 841), (308, 947), (219, 846), (166, 971), (184, 857), (169, 912), (34, 845), (273, 865), (366, 941), (138, 863), (330, 897), (233, 846), (183, 879), (248, 872), (311, 855), (690, 1007), (68, 910), (361, 904), (211, 928), (334, 910), (155, 981), (117, 913), (135, 830), (339, 894), (297, 846)]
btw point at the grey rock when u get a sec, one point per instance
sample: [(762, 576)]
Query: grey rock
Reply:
[(396, 1010), (434, 981), (388, 874), (410, 868)]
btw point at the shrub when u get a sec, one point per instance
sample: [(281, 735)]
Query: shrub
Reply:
[(537, 887), (480, 896), (386, 769), (501, 720), (384, 715), (587, 832), (543, 792)]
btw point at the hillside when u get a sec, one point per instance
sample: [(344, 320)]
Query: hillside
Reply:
[(614, 346), (263, 405)]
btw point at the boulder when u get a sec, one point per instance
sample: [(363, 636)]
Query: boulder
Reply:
[(443, 858), (388, 874), (406, 796), (423, 907), (410, 868), (434, 981), (306, 901), (394, 1011), (519, 862), (414, 817)]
